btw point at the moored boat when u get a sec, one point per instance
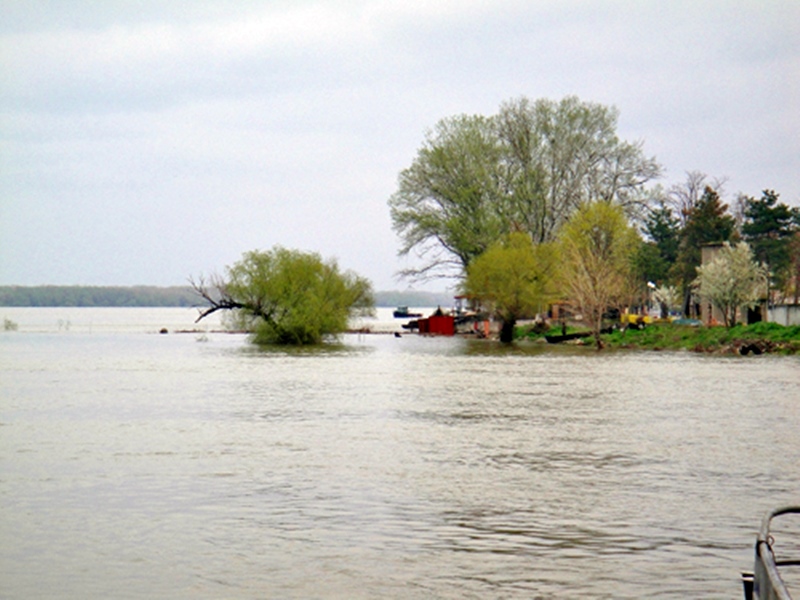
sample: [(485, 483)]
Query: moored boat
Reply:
[(568, 337), (402, 312)]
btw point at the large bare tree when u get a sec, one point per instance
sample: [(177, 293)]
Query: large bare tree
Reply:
[(525, 169), (683, 197), (559, 155)]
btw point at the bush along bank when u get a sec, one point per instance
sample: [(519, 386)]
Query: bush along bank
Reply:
[(759, 338)]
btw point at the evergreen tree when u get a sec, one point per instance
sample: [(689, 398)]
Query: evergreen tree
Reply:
[(663, 227), (768, 227), (649, 264), (655, 257), (707, 222)]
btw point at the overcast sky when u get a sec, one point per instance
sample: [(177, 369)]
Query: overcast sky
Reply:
[(145, 142)]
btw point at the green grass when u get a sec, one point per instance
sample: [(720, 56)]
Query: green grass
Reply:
[(766, 337)]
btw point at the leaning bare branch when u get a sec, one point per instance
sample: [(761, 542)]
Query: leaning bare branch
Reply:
[(214, 295)]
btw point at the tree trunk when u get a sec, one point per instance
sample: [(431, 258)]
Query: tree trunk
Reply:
[(597, 341), (687, 301), (507, 331), (597, 325)]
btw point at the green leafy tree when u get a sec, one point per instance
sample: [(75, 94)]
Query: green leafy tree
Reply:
[(732, 280), (288, 297), (656, 255), (445, 207), (648, 265), (513, 279), (768, 227), (793, 281), (707, 222), (597, 246), (525, 169), (662, 227)]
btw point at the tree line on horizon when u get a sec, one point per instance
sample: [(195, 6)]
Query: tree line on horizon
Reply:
[(97, 296), (169, 296)]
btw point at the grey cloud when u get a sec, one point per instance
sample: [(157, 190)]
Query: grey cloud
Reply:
[(143, 143)]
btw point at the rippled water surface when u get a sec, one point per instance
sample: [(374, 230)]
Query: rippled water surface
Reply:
[(193, 465)]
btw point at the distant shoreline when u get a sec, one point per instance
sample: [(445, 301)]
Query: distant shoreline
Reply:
[(147, 296)]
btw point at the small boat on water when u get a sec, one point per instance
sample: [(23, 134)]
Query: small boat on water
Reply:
[(402, 312), (567, 337), (765, 582)]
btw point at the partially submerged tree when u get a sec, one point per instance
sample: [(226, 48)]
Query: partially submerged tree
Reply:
[(513, 279), (732, 280), (597, 246), (287, 296), (525, 169)]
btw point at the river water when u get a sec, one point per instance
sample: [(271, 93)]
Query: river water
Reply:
[(193, 465)]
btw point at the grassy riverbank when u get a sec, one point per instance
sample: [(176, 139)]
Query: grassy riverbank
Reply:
[(758, 338)]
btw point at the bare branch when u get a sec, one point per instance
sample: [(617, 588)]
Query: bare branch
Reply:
[(215, 296)]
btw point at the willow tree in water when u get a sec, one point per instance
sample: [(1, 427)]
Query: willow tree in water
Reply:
[(288, 297)]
